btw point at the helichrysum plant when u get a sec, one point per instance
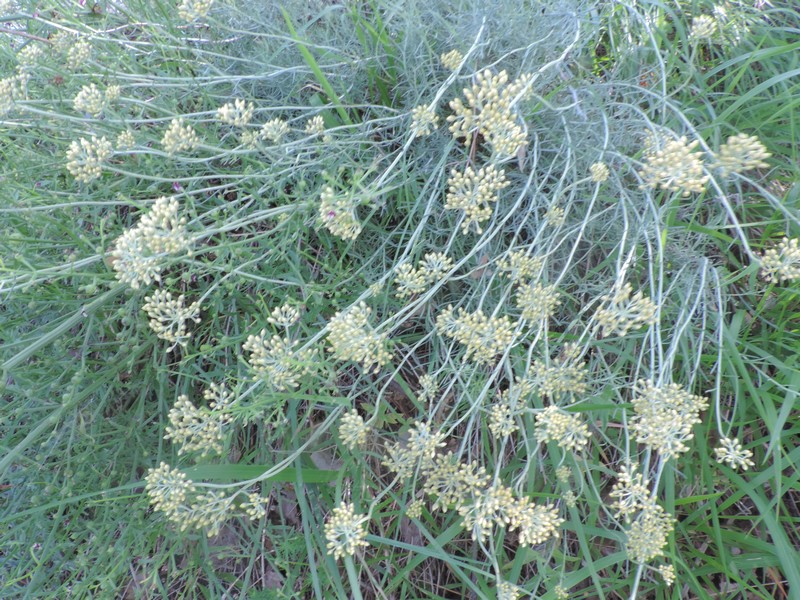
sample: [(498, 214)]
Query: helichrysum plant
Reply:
[(447, 289)]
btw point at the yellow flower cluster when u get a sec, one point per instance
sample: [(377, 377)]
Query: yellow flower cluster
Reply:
[(274, 130), (648, 534), (197, 429), (352, 337), (741, 153), (520, 266), (345, 531), (431, 269), (85, 158), (337, 211), (451, 60), (192, 10), (675, 167), (536, 301), (168, 489), (664, 417), (566, 429), (501, 418), (452, 482), (619, 312), (275, 360), (163, 229), (79, 53), (137, 252), (315, 126), (490, 111), (497, 506), (599, 172), (92, 101), (237, 113), (12, 89), (125, 140), (418, 452), (782, 263), (284, 316), (561, 377), (484, 337), (179, 137), (731, 452), (424, 121), (630, 493), (473, 192), (353, 430), (168, 317)]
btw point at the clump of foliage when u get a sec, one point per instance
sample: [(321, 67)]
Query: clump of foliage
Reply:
[(410, 300)]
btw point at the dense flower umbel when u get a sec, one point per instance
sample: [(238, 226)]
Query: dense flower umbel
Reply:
[(664, 417), (353, 430), (648, 534), (489, 111), (275, 360), (451, 60), (741, 153), (619, 312), (430, 270), (92, 101), (345, 531), (237, 113), (630, 493), (537, 301), (731, 452), (168, 488), (85, 158), (782, 263), (419, 452), (566, 429), (352, 337), (473, 192), (11, 90), (424, 120), (485, 337), (599, 172), (451, 482), (274, 130), (168, 316), (78, 54), (137, 252), (675, 167), (337, 211), (196, 429), (520, 266), (497, 506), (191, 10), (179, 137)]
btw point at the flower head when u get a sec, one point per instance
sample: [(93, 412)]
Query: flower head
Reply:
[(473, 192), (353, 430), (664, 417), (423, 120), (730, 451), (85, 158), (782, 263), (648, 534), (484, 337), (490, 111), (675, 167), (741, 153), (237, 113), (345, 531), (168, 316), (179, 137), (352, 337)]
